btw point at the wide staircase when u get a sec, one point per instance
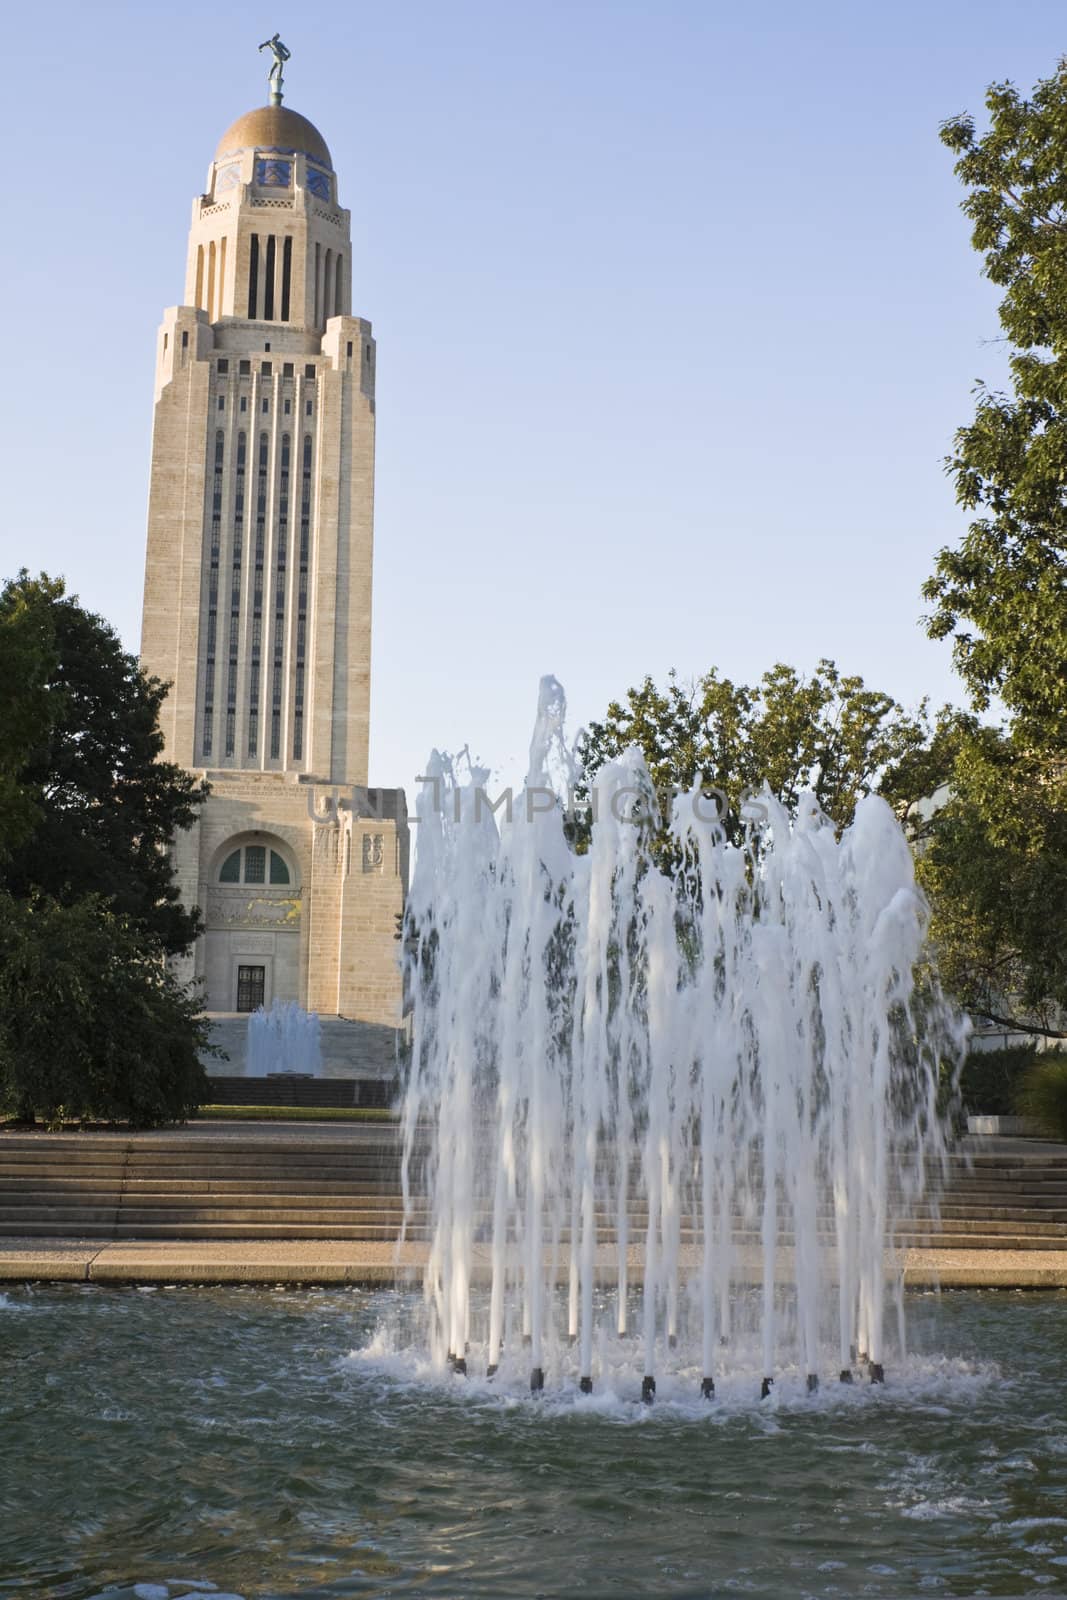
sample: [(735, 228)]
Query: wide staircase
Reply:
[(175, 1186)]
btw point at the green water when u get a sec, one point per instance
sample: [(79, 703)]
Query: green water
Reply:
[(150, 1441)]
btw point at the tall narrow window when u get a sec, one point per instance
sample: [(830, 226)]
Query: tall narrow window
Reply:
[(235, 598), (287, 273), (268, 281), (327, 285), (257, 596), (302, 599), (253, 276), (199, 301), (339, 270), (209, 303), (318, 282), (279, 602), (213, 592), (220, 288)]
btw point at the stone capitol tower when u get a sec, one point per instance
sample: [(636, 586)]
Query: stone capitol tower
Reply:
[(257, 605)]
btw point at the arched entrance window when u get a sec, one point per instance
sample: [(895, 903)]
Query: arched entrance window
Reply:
[(254, 863)]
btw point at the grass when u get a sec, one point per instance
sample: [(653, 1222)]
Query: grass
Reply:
[(297, 1113)]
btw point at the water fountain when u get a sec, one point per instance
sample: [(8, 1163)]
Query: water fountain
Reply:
[(284, 1039), (617, 1070)]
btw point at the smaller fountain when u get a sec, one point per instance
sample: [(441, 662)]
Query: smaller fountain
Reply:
[(284, 1039)]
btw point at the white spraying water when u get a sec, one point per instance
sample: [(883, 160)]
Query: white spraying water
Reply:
[(284, 1039), (711, 1090)]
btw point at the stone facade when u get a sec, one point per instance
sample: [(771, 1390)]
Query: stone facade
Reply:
[(257, 605)]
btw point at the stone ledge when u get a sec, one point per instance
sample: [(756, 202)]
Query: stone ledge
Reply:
[(318, 1262)]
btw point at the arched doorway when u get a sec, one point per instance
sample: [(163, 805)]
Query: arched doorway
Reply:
[(252, 916)]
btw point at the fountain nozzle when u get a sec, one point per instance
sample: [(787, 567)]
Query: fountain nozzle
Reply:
[(707, 1388), (877, 1372), (766, 1387), (537, 1380), (492, 1369), (813, 1382), (648, 1389), (459, 1365), (846, 1374), (585, 1385)]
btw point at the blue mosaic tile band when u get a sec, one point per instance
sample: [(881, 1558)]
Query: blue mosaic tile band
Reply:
[(269, 150), (274, 174), (319, 183)]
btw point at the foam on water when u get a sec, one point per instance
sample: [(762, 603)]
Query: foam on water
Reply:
[(927, 1386), (678, 1080)]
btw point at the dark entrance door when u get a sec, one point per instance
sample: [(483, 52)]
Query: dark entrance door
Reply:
[(250, 986)]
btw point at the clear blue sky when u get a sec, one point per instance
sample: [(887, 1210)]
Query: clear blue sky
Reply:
[(675, 309)]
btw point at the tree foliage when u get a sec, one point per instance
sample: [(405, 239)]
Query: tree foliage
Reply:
[(994, 858), (993, 861), (92, 1021), (828, 734), (28, 701), (1002, 594), (106, 806)]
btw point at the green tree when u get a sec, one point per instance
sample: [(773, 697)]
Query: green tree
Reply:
[(27, 704), (107, 807), (92, 1022), (827, 734), (1002, 594), (993, 861), (994, 857)]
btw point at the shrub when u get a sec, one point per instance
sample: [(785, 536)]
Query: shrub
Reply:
[(1042, 1095), (989, 1082), (93, 1025)]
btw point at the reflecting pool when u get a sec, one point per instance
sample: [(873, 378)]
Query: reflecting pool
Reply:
[(258, 1443)]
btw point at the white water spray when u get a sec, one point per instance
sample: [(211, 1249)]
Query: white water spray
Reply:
[(284, 1039), (678, 1085)]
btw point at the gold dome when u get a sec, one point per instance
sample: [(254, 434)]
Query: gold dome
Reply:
[(274, 128)]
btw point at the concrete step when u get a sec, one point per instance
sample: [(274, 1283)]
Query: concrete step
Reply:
[(320, 1175), (14, 1187), (53, 1205), (368, 1223), (107, 1231), (34, 1183), (385, 1197)]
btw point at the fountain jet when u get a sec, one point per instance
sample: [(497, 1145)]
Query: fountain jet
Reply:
[(622, 1056)]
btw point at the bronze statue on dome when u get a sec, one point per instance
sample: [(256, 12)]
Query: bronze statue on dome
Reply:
[(281, 56)]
